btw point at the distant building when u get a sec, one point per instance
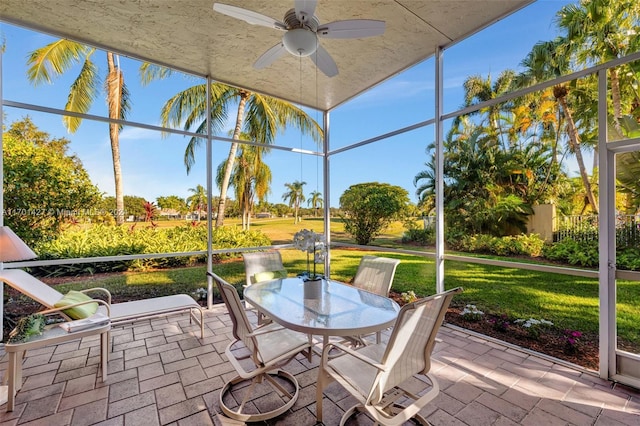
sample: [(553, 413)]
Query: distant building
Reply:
[(263, 215), (169, 214)]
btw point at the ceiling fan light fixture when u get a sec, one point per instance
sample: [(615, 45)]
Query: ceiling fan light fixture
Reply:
[(300, 42)]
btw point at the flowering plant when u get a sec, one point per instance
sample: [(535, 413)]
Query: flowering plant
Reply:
[(534, 326), (310, 242), (572, 340), (472, 313), (409, 296)]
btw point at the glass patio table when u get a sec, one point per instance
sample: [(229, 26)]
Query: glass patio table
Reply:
[(322, 308)]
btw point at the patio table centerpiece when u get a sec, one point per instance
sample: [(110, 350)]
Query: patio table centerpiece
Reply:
[(312, 244)]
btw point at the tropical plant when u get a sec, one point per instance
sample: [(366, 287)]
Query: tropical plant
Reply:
[(599, 31), (258, 116), (197, 201), (150, 211), (478, 89), (295, 195), (486, 189), (62, 55), (251, 178), (101, 241), (551, 59), (315, 201)]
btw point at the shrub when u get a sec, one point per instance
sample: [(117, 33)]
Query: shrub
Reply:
[(104, 240), (423, 237), (628, 258), (582, 253), (528, 245)]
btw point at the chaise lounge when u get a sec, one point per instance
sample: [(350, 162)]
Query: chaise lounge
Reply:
[(119, 313)]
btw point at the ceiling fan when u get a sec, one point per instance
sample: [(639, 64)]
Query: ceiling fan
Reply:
[(302, 29)]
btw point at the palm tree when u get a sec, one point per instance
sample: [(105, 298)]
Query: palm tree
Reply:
[(295, 196), (600, 31), (55, 59), (550, 59), (197, 201), (251, 178), (315, 201), (260, 117), (478, 89)]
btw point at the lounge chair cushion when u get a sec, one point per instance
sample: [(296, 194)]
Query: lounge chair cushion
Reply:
[(269, 275), (77, 312)]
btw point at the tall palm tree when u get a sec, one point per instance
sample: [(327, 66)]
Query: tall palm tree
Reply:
[(197, 201), (258, 116), (315, 201), (295, 195), (547, 60), (60, 56)]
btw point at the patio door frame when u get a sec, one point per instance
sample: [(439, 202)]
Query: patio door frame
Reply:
[(615, 364)]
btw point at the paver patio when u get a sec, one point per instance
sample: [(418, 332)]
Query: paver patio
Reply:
[(160, 373)]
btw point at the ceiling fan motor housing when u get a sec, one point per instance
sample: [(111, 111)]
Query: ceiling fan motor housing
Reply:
[(301, 38)]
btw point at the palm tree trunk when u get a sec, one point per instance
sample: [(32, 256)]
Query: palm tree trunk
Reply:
[(231, 158), (615, 97), (575, 146), (114, 88)]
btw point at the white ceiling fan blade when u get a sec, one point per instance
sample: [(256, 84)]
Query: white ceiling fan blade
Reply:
[(270, 56), (324, 62), (249, 16), (305, 9), (352, 28)]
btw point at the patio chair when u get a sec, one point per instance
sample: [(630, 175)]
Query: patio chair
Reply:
[(119, 313), (262, 266), (375, 374), (268, 347), (375, 275)]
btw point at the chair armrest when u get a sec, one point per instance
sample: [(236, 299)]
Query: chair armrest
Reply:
[(64, 308), (99, 290), (349, 351)]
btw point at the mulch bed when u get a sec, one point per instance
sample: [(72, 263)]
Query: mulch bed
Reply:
[(552, 342)]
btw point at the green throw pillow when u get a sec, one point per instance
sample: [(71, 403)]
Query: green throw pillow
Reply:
[(269, 275), (77, 312)]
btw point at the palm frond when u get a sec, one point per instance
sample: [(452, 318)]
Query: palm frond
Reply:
[(150, 72), (55, 59), (82, 93)]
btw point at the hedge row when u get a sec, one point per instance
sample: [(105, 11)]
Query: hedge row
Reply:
[(106, 240)]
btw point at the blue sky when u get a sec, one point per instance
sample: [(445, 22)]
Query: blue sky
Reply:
[(152, 164)]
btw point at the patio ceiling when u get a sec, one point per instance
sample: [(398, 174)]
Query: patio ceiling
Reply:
[(188, 35)]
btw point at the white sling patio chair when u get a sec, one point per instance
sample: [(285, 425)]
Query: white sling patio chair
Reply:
[(375, 274), (262, 266), (266, 349), (375, 374), (119, 313)]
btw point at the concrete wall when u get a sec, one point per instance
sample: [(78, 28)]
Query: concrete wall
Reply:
[(542, 221)]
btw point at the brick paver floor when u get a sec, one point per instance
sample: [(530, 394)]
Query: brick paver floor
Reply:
[(160, 373)]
